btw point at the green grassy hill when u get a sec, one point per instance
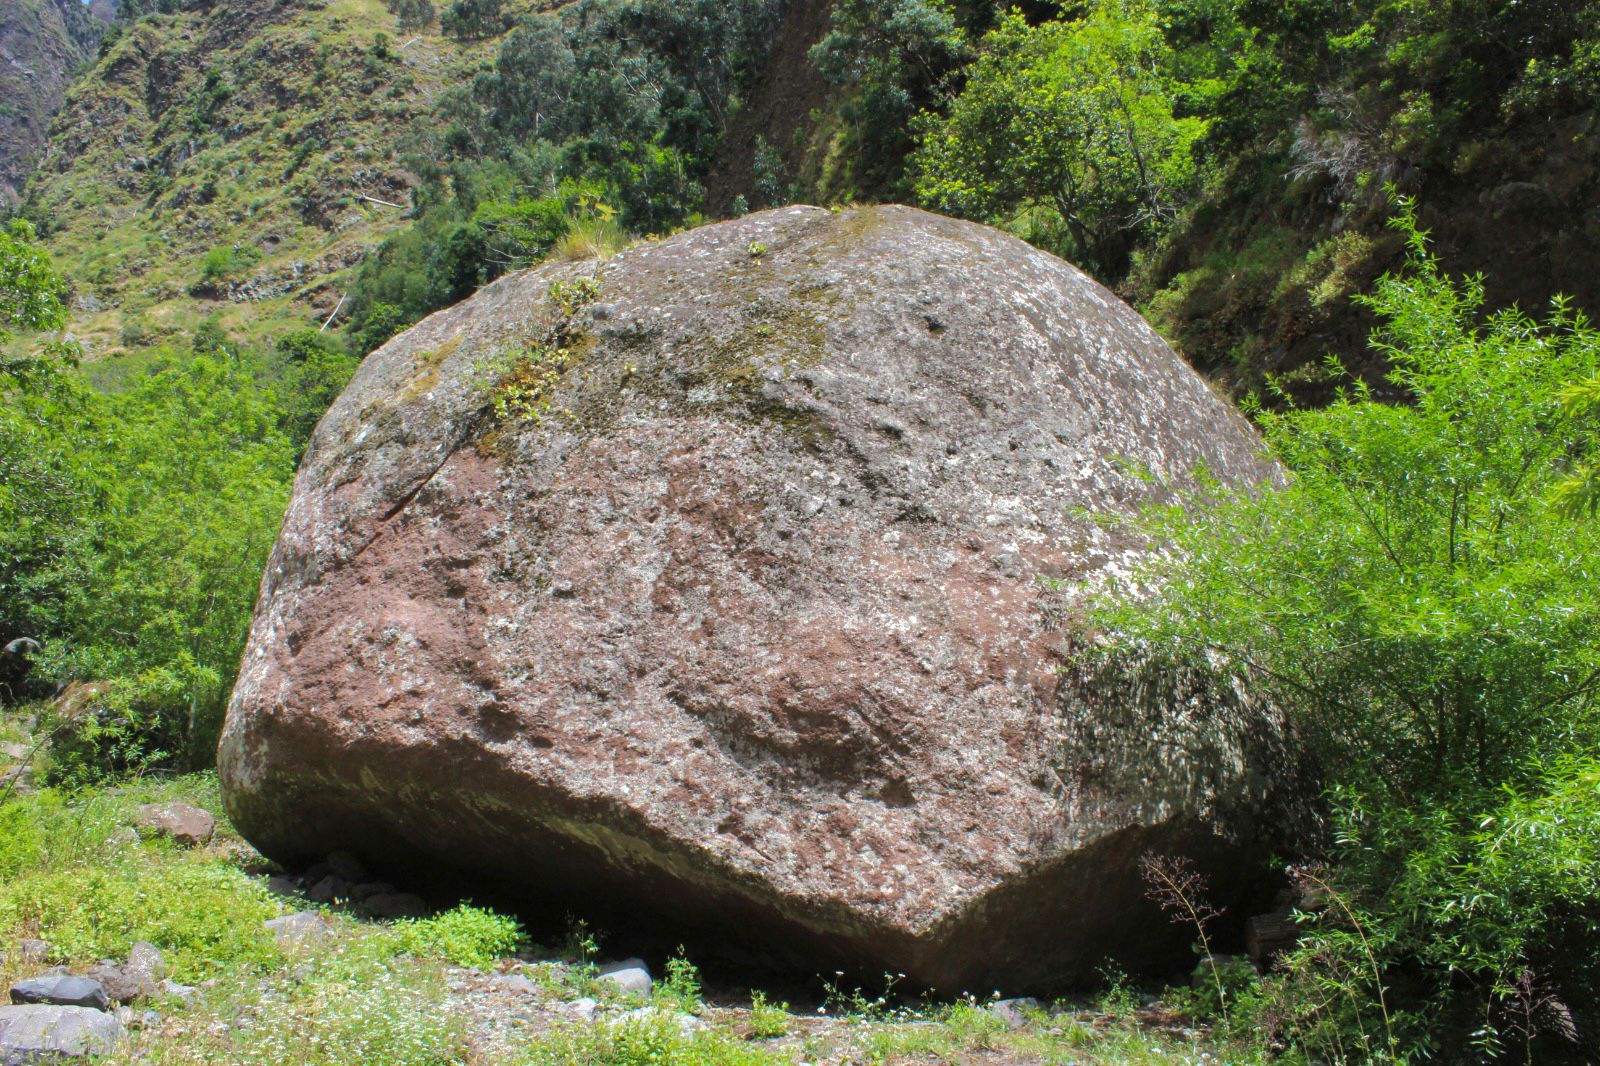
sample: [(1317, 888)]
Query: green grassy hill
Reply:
[(234, 161)]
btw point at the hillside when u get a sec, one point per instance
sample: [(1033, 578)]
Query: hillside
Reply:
[(42, 43), (231, 161)]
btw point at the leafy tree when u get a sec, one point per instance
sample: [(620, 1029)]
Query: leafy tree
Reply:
[(31, 293), (134, 524), (473, 20), (413, 14), (894, 57), (1430, 616), (1073, 119), (39, 491)]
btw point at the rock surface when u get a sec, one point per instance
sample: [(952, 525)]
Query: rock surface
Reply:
[(302, 929), (61, 991), (140, 977), (705, 583), (629, 975), (183, 823), (45, 1034)]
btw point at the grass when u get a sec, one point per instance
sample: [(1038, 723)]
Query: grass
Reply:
[(589, 236)]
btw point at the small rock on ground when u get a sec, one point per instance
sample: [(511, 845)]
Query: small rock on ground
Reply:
[(138, 978), (329, 889), (183, 823), (301, 929), (1015, 1012), (183, 993), (340, 864), (61, 992), (514, 982), (43, 1033), (652, 1016), (629, 975), (393, 905)]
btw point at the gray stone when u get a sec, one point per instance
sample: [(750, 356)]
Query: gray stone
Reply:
[(630, 975), (345, 865), (135, 1020), (301, 930), (1015, 1012), (61, 991), (182, 993), (33, 950), (183, 823), (32, 1034), (584, 1008), (138, 978), (368, 889), (282, 885), (741, 621), (654, 1017), (514, 982), (392, 905), (330, 889)]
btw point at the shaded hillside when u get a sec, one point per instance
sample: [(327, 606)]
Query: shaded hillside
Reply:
[(41, 43), (1485, 114)]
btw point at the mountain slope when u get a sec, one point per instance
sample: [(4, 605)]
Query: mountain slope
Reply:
[(232, 160), (41, 42)]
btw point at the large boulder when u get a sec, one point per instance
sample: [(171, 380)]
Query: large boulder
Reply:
[(731, 581)]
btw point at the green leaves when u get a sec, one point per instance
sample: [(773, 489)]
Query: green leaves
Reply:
[(1421, 601), (134, 526), (1075, 119), (32, 296)]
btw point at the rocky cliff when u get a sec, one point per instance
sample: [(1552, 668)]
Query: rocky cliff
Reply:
[(42, 42), (731, 581)]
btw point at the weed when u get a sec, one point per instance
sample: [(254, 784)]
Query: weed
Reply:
[(681, 988), (1180, 891), (768, 1020)]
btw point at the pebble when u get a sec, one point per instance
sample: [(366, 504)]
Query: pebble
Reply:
[(1014, 1012), (329, 889), (139, 978), (394, 905), (652, 1016), (183, 823), (181, 993), (514, 982)]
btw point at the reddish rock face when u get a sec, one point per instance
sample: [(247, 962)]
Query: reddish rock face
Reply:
[(738, 618)]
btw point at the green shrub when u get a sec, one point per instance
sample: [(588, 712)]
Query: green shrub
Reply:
[(203, 914), (227, 261), (466, 935), (768, 1020), (1416, 598), (680, 989)]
